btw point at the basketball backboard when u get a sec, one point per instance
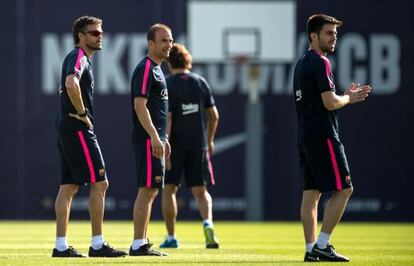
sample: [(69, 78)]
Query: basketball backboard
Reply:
[(260, 30)]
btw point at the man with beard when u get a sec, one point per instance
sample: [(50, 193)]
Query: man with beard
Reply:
[(322, 159), (80, 156)]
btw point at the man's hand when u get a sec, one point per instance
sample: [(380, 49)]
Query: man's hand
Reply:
[(157, 147), (357, 93), (84, 119)]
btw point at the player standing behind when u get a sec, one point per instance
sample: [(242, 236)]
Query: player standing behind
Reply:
[(149, 100), (80, 156), (192, 142), (322, 159)]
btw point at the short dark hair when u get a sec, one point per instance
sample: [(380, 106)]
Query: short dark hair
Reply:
[(80, 24), (315, 23), (154, 28), (180, 57)]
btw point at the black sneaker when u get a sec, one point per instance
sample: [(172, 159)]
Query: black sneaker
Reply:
[(106, 251), (145, 250), (71, 252), (310, 258), (328, 254)]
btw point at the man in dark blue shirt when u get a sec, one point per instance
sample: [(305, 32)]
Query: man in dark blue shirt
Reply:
[(149, 101), (192, 123), (80, 156), (322, 159)]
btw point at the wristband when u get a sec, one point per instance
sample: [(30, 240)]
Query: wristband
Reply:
[(85, 113)]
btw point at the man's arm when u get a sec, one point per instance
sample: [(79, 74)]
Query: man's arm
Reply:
[(353, 94), (212, 117), (74, 92), (140, 106)]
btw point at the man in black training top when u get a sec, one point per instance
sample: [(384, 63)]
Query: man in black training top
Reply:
[(149, 100), (80, 156), (322, 159), (192, 123)]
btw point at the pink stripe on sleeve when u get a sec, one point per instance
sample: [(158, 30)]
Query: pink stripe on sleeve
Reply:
[(328, 71), (77, 65), (334, 165), (87, 156), (149, 163), (146, 73), (210, 168)]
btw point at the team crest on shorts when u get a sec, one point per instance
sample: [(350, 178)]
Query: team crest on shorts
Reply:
[(158, 179)]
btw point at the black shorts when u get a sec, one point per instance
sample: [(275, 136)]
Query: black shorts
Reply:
[(324, 166), (149, 169), (80, 158), (194, 165)]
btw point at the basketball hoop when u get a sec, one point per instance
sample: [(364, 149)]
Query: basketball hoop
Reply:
[(241, 59)]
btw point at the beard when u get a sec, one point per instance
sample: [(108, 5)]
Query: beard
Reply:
[(328, 48), (97, 47)]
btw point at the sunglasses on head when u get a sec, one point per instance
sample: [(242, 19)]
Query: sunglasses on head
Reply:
[(95, 33)]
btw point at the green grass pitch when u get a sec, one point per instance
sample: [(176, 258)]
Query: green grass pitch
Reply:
[(245, 243)]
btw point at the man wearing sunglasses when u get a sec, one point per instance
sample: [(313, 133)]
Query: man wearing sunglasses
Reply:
[(80, 156)]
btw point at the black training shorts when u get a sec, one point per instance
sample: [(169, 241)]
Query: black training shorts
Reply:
[(80, 156), (195, 166), (149, 169), (324, 166)]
